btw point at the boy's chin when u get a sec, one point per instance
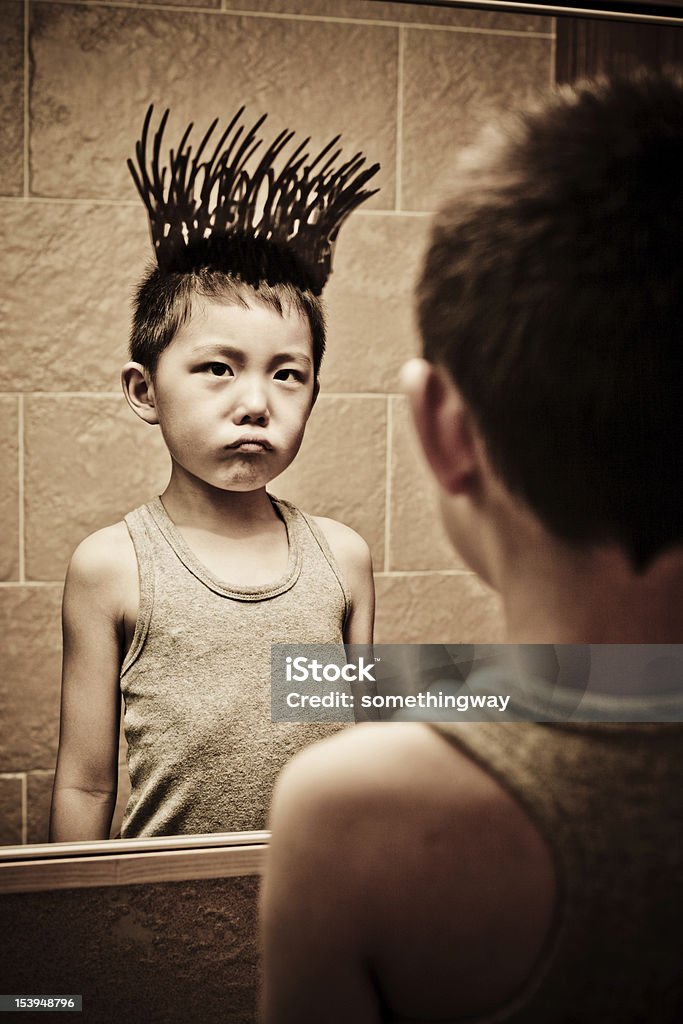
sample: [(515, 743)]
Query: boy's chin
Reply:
[(237, 479), (242, 486), (221, 485)]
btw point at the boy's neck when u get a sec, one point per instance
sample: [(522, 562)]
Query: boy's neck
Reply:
[(192, 503), (555, 593), (594, 598)]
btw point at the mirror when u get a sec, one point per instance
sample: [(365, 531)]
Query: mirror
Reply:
[(404, 82)]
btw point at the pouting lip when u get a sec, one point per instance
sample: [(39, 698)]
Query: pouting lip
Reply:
[(248, 439)]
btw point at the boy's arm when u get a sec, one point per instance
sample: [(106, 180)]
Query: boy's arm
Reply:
[(355, 562), (84, 794)]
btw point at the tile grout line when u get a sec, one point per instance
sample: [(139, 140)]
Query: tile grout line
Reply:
[(286, 16), (126, 203), (26, 99), (407, 573), (399, 120), (20, 466), (387, 486), (24, 809), (37, 584), (34, 584), (99, 200)]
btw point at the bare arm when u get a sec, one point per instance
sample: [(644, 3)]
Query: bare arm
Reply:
[(84, 794), (313, 907)]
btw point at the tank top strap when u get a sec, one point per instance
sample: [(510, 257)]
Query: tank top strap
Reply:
[(139, 523), (311, 534)]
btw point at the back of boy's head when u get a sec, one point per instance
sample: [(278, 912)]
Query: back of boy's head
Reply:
[(269, 275), (553, 293)]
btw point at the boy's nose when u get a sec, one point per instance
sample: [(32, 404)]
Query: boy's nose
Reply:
[(251, 405)]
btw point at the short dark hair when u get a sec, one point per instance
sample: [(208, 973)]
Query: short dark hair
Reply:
[(266, 275), (552, 291)]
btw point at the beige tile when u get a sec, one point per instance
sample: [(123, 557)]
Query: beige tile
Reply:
[(370, 302), (69, 272), (340, 471), (453, 83), (435, 609), (12, 98), (38, 806), (315, 77), (89, 460), (404, 13), (9, 492), (417, 539), (10, 810), (30, 678)]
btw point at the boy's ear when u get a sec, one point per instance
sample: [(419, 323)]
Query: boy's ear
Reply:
[(139, 391), (443, 424)]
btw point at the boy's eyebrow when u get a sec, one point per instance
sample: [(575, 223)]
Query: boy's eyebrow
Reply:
[(219, 348), (238, 354), (292, 357)]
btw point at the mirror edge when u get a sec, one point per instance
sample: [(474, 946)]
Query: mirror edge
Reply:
[(130, 862)]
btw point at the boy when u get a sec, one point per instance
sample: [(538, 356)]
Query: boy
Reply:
[(176, 608), (522, 872)]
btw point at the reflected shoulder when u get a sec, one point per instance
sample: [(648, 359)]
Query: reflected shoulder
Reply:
[(109, 550), (103, 566), (347, 546)]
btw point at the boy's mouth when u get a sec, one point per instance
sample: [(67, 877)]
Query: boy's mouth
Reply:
[(251, 444)]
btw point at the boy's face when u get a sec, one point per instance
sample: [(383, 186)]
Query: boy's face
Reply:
[(233, 392)]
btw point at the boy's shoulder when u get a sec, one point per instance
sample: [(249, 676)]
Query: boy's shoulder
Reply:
[(352, 555), (104, 562), (346, 545), (382, 790)]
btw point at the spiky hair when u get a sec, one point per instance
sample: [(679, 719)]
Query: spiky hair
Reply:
[(220, 198)]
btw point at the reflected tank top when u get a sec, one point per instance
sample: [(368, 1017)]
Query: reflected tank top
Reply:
[(203, 753)]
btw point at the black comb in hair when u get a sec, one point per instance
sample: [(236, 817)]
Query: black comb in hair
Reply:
[(220, 193)]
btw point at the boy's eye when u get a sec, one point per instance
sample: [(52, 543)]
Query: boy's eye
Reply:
[(219, 369), (290, 375)]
